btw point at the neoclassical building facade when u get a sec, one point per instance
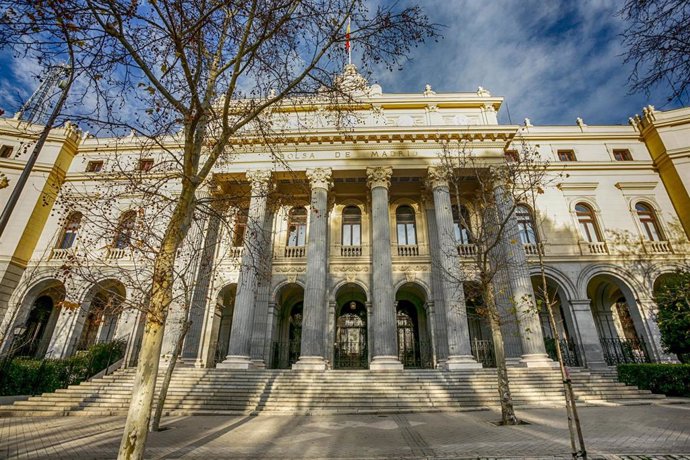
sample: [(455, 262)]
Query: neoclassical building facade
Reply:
[(339, 253)]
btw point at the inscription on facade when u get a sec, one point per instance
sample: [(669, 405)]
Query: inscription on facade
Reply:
[(348, 154)]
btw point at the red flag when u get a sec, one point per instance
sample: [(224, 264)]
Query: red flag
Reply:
[(347, 36)]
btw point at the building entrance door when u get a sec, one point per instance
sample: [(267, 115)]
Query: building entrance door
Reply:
[(351, 337)]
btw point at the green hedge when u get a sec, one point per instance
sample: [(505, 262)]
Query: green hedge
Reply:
[(668, 379), (21, 376)]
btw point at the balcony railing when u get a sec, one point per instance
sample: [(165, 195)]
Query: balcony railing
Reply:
[(351, 251), (657, 247), (408, 250), (533, 249), (117, 253), (467, 249), (236, 252), (61, 254), (295, 251), (593, 247)]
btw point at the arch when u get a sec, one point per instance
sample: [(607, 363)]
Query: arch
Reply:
[(100, 308), (297, 226), (524, 214), (417, 284), (635, 288), (287, 317), (124, 230), (340, 284), (224, 308), (351, 338), (278, 287), (648, 221), (414, 330), (588, 222), (70, 230), (559, 278)]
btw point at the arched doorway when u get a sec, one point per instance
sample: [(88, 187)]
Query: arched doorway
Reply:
[(225, 307), (351, 341), (104, 309), (39, 325), (481, 341), (554, 295), (287, 345), (414, 335), (618, 321)]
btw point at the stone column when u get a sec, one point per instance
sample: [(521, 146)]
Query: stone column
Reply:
[(439, 316), (384, 330), (458, 331), (588, 337), (652, 335), (515, 261), (243, 317), (313, 347)]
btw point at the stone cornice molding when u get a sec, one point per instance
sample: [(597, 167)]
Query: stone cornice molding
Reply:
[(260, 180), (438, 176), (379, 176), (320, 178), (636, 186)]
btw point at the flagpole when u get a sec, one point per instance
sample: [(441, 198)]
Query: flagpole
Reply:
[(349, 47)]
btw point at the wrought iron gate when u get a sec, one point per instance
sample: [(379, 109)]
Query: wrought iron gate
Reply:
[(351, 351)]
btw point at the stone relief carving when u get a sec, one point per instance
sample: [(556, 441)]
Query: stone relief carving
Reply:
[(290, 269)]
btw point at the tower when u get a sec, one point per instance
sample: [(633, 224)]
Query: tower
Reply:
[(37, 108)]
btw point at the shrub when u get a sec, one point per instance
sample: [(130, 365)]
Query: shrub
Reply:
[(20, 376), (668, 379), (673, 317)]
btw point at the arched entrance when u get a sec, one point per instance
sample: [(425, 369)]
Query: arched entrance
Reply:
[(288, 337), (414, 337), (104, 309), (351, 342), (225, 307), (570, 350), (481, 341), (39, 326), (618, 321)]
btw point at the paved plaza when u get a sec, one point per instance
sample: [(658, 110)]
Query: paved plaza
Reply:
[(611, 432)]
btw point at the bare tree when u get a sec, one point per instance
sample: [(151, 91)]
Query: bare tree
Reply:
[(657, 38), (209, 71)]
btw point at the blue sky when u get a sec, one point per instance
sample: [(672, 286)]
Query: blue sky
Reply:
[(552, 60)]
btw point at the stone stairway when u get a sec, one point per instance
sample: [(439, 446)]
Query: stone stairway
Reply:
[(221, 391)]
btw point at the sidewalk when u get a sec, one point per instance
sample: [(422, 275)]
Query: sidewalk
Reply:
[(630, 432)]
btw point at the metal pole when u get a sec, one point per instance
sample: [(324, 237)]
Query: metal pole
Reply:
[(24, 177)]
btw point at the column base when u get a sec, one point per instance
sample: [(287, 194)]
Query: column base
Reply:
[(385, 363), (441, 364), (460, 362), (258, 364), (537, 360), (236, 362), (310, 363), (513, 362)]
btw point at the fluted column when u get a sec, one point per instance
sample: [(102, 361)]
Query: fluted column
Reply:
[(384, 330), (458, 332), (531, 336), (243, 317), (314, 323)]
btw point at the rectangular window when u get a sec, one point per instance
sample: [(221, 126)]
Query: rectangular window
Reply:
[(622, 155), (145, 165), (6, 151), (512, 156), (94, 166), (566, 155)]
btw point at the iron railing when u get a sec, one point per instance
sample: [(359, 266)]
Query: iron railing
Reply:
[(483, 352), (570, 350), (622, 351), (351, 354), (285, 354), (415, 354)]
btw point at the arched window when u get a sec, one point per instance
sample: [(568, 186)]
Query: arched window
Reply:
[(352, 226), (123, 235), (649, 222), (240, 228), (461, 225), (405, 220), (69, 233), (587, 222), (528, 233), (297, 227)]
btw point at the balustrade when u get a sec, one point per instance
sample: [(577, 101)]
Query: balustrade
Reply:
[(593, 247), (467, 250), (350, 251), (116, 253), (295, 251), (61, 254), (408, 250), (236, 252), (657, 247), (533, 249)]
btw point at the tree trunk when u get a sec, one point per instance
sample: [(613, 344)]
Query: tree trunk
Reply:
[(508, 416), (138, 417), (155, 423)]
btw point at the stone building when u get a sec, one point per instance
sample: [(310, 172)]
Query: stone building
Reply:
[(351, 272)]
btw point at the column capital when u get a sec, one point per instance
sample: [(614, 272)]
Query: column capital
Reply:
[(379, 176), (260, 179), (320, 178), (438, 176)]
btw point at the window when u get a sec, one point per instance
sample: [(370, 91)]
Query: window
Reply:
[(528, 233), (407, 232), (69, 234), (461, 222), (352, 226), (587, 222), (94, 166), (622, 155), (649, 222), (123, 235), (566, 155), (145, 165), (240, 228), (512, 156), (297, 227), (6, 151)]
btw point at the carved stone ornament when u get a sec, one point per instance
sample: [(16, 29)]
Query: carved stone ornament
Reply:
[(438, 176), (290, 269), (379, 176), (260, 179), (410, 268), (350, 269), (320, 177)]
